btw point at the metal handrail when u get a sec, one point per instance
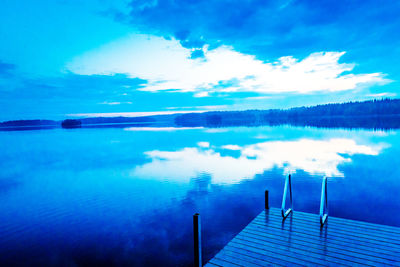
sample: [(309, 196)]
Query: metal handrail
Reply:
[(288, 183), (323, 208)]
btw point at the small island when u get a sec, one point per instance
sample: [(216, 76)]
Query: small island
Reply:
[(71, 124)]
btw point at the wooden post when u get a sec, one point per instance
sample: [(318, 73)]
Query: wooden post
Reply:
[(266, 200), (197, 240)]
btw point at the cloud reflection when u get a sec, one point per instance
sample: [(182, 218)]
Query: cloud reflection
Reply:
[(318, 157)]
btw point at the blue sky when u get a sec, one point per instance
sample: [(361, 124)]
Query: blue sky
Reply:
[(62, 57)]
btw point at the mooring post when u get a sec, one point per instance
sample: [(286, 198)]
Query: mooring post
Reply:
[(197, 240), (266, 200)]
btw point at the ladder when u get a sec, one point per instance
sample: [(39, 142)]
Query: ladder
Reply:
[(323, 208)]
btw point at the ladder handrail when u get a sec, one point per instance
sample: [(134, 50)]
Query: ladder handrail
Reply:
[(288, 183), (323, 215)]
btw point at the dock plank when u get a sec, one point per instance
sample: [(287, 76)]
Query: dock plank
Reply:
[(248, 257), (336, 227), (300, 241), (339, 249), (330, 255), (335, 235), (372, 243)]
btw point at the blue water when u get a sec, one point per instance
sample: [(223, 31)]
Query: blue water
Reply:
[(117, 197)]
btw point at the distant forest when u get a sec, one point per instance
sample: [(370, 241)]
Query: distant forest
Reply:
[(20, 123), (376, 114)]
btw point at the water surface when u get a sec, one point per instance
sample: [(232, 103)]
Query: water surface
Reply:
[(125, 196)]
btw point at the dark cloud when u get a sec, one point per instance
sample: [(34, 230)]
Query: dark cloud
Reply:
[(53, 97), (6, 69), (270, 29), (74, 86)]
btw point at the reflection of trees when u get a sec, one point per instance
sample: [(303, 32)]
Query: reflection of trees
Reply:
[(213, 120), (68, 123)]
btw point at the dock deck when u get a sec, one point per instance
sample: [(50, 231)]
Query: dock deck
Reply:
[(299, 240)]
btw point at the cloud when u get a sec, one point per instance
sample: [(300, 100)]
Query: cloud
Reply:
[(6, 69), (167, 65), (210, 107), (201, 94), (115, 103), (9, 77), (70, 85), (203, 144), (232, 147), (27, 97), (317, 157), (272, 29), (378, 95), (266, 27)]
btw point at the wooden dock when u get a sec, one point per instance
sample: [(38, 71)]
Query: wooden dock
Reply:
[(300, 240)]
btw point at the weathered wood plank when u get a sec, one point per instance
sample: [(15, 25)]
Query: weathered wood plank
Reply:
[(272, 255), (297, 223), (294, 227), (342, 221), (316, 232), (314, 220), (289, 240), (329, 234), (334, 255), (224, 263), (247, 257), (299, 240), (237, 258), (297, 254), (336, 222)]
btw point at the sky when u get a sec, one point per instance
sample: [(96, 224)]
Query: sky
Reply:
[(63, 58)]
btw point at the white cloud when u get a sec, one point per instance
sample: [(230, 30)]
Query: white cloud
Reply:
[(382, 95), (201, 94), (216, 130), (257, 97), (114, 103), (167, 65), (211, 107), (321, 157), (231, 147), (203, 144)]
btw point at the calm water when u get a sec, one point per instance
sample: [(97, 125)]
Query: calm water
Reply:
[(121, 197)]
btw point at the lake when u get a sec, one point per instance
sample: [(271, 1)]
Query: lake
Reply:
[(126, 196)]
